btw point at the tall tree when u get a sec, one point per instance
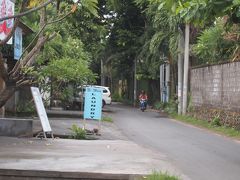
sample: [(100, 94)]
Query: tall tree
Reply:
[(16, 78), (126, 25)]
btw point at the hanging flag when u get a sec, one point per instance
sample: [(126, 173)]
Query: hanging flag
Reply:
[(18, 43), (6, 9)]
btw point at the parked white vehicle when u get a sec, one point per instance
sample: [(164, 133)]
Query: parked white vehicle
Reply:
[(106, 98)]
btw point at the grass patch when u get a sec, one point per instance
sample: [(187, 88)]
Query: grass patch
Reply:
[(160, 176), (214, 126), (107, 119), (77, 132)]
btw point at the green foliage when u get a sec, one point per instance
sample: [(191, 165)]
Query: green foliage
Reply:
[(160, 105), (161, 176), (90, 5), (25, 107), (211, 47), (169, 107), (67, 62), (231, 132), (126, 25), (66, 95), (77, 132), (69, 70), (173, 45), (117, 98), (216, 121), (158, 41), (107, 119), (199, 12)]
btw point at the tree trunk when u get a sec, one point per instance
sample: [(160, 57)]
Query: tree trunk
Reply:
[(2, 110), (14, 79), (6, 94), (186, 67)]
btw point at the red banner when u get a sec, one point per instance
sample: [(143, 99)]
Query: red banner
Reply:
[(6, 9)]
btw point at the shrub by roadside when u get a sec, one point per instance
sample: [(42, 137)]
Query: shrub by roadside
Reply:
[(214, 124), (160, 176)]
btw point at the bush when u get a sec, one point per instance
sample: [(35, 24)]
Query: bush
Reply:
[(159, 105), (117, 98), (169, 107), (211, 47), (26, 107), (77, 132), (216, 121)]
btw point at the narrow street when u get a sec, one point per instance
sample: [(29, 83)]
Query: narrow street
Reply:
[(198, 153)]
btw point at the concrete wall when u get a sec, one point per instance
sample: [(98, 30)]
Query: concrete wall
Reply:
[(2, 110), (16, 127), (216, 86)]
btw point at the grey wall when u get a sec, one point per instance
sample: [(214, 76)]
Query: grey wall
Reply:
[(16, 127), (216, 86)]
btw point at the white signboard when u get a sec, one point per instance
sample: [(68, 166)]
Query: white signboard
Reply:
[(41, 109)]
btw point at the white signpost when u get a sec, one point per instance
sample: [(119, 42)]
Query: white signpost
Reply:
[(41, 112)]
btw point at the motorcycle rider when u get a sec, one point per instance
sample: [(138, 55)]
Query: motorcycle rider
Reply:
[(143, 97)]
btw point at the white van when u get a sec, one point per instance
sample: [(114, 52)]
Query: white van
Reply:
[(106, 98)]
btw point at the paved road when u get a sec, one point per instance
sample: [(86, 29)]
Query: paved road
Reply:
[(199, 154)]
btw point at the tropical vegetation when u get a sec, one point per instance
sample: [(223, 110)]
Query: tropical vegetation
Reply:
[(80, 42)]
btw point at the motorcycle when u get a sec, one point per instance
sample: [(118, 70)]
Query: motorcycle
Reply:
[(143, 104)]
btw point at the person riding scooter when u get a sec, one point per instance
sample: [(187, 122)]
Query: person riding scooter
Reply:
[(143, 100)]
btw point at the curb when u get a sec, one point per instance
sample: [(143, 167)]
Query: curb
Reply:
[(53, 175)]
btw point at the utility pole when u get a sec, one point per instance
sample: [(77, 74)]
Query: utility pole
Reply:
[(180, 72), (102, 74), (135, 83), (167, 81), (186, 67), (160, 82)]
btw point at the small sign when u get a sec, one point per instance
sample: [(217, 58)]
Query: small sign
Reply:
[(18, 43), (41, 109), (93, 103)]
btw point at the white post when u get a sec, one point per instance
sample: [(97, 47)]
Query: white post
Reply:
[(160, 85), (161, 82), (167, 82), (102, 74), (186, 67), (180, 73)]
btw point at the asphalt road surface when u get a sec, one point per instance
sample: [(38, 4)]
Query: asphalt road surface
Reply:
[(198, 153)]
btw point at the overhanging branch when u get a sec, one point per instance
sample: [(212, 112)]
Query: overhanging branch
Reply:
[(27, 12)]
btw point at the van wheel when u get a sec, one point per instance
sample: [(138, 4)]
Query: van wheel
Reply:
[(103, 103)]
